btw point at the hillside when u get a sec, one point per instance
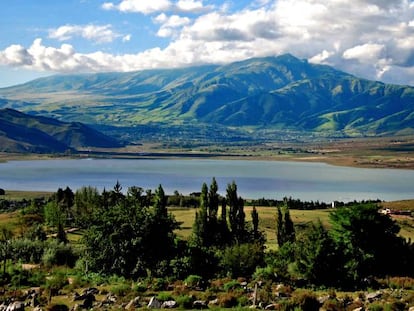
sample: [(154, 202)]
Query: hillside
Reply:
[(281, 92), (21, 132)]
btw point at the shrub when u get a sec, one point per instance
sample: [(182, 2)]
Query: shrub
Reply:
[(306, 301), (59, 254), (164, 296), (159, 284), (57, 307), (184, 301), (121, 289), (232, 285), (228, 300), (193, 280)]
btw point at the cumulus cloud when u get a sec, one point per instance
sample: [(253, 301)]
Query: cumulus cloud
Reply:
[(97, 33), (139, 6), (153, 6), (371, 38), (170, 24)]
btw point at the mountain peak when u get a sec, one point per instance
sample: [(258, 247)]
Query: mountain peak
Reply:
[(276, 92)]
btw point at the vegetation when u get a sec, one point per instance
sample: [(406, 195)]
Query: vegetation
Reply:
[(126, 243)]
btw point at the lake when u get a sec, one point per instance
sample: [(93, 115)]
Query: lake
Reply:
[(255, 179)]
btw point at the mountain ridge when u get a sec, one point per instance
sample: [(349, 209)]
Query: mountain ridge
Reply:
[(281, 92), (21, 132)]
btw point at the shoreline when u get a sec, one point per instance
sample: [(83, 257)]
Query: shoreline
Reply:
[(368, 161)]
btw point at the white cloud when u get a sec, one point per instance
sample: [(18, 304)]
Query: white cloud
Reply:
[(15, 55), (139, 6), (170, 24), (96, 33), (154, 6), (365, 53), (371, 38)]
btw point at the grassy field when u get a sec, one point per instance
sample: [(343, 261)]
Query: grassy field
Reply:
[(14, 195), (267, 220)]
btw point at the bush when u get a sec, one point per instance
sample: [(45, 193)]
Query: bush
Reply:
[(193, 280), (164, 296), (121, 289), (59, 254), (232, 285), (159, 284), (57, 307), (184, 301), (306, 301), (228, 300)]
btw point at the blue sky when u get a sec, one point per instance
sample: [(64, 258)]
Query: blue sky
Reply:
[(373, 39)]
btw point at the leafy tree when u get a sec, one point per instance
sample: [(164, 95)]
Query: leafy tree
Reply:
[(317, 258), (56, 217), (5, 250), (241, 260), (368, 240), (131, 240), (285, 231), (87, 202), (236, 213)]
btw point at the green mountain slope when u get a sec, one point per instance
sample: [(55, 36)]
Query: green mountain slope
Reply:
[(20, 132), (274, 92)]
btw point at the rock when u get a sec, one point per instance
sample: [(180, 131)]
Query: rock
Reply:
[(200, 304), (272, 306), (411, 308), (214, 302), (88, 302), (16, 306), (133, 303), (90, 290), (169, 304), (359, 309), (373, 296), (154, 303)]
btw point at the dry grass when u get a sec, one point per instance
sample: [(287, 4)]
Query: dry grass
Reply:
[(14, 195), (267, 220)]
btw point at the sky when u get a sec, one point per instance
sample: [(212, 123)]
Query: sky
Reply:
[(372, 39)]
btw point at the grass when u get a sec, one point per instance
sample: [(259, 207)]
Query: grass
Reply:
[(14, 195), (267, 220)]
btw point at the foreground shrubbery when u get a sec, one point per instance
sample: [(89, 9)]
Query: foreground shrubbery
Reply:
[(128, 248)]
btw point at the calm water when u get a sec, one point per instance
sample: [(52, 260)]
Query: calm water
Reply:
[(255, 179)]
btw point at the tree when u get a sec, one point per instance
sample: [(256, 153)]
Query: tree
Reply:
[(236, 213), (56, 217), (368, 240), (317, 258), (285, 230), (132, 240), (5, 250)]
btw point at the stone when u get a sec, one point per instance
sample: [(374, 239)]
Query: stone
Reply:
[(200, 304), (169, 304), (16, 306), (133, 303), (373, 296), (154, 303)]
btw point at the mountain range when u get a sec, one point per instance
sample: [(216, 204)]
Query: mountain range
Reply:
[(280, 93), (22, 133)]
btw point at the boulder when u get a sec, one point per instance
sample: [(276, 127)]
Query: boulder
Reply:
[(16, 306), (169, 304), (88, 302), (200, 304), (133, 303), (371, 297), (154, 303)]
